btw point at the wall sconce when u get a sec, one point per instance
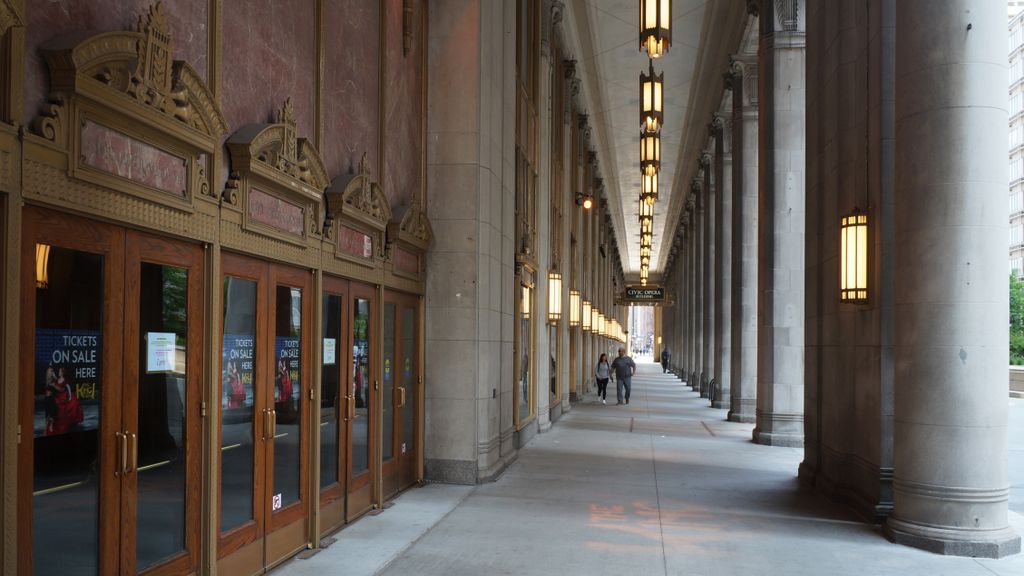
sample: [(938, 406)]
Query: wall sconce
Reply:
[(650, 153), (554, 297), (586, 322), (645, 261), (526, 303), (574, 307), (645, 251), (655, 27), (651, 101), (584, 200), (646, 239), (649, 188), (853, 254), (42, 266), (602, 324)]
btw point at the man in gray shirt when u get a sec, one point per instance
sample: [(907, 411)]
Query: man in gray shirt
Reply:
[(623, 367)]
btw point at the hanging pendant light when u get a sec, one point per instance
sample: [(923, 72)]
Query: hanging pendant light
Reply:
[(646, 210), (853, 253), (652, 94), (655, 27)]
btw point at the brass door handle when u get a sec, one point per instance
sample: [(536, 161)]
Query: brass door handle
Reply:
[(273, 424), (266, 424), (401, 395), (351, 406)]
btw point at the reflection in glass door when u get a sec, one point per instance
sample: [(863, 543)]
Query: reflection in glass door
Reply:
[(400, 391), (409, 393), (387, 406), (334, 370)]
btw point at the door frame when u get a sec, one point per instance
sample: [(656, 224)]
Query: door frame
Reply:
[(361, 488)]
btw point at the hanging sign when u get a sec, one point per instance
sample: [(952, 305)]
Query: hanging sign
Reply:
[(645, 293)]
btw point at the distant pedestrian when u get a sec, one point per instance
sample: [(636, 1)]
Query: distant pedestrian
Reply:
[(665, 356), (601, 374), (623, 368)]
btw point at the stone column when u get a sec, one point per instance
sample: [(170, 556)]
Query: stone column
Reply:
[(780, 363), (471, 187), (743, 381), (723, 261), (697, 214), (708, 277), (950, 485)]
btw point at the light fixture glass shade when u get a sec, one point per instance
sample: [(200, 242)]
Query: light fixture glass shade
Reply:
[(554, 297), (585, 322), (42, 266), (645, 261), (650, 153), (645, 239), (646, 225), (646, 209), (574, 307), (651, 101), (853, 254), (655, 27), (602, 324), (645, 251), (649, 188), (595, 320), (527, 309)]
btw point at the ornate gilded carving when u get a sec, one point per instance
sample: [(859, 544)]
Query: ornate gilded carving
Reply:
[(356, 201), (136, 65), (9, 16), (52, 123)]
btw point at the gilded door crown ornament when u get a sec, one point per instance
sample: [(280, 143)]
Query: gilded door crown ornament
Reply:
[(138, 64), (367, 196)]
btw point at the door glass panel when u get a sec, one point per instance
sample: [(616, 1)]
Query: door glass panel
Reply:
[(238, 364), (409, 371), (525, 329), (287, 395), (360, 383), (163, 328), (330, 390), (66, 388), (387, 412)]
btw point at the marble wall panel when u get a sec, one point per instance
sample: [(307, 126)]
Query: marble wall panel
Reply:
[(403, 128), (52, 19), (351, 99), (269, 55)]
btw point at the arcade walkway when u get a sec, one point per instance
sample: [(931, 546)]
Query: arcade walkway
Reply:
[(662, 486)]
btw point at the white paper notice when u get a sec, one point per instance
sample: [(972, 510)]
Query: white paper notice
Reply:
[(160, 351), (329, 351)]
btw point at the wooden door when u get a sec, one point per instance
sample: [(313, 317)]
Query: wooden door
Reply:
[(264, 414), (335, 378), (69, 465), (409, 396), (161, 398), (363, 384)]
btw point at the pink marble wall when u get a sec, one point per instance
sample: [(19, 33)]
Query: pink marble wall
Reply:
[(51, 19), (269, 54), (351, 85), (403, 146)]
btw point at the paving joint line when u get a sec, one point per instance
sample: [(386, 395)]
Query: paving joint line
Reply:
[(708, 428)]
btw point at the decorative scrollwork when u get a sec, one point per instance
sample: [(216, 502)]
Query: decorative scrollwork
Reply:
[(52, 124)]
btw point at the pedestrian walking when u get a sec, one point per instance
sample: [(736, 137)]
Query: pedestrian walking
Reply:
[(623, 368), (665, 356), (601, 374)]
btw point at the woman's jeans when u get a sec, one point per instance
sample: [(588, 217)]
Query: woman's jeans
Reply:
[(602, 388)]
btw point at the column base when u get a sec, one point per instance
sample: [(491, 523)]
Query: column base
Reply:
[(971, 543), (721, 404), (743, 410), (778, 439), (741, 418)]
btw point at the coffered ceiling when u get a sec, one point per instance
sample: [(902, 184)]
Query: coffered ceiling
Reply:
[(604, 36)]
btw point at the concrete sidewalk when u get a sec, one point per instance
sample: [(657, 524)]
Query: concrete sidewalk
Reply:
[(662, 486)]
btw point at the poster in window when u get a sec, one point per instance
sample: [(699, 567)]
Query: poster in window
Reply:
[(67, 387)]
